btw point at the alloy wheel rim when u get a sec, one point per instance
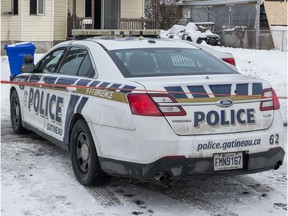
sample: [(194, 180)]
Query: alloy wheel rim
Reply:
[(16, 112), (83, 152)]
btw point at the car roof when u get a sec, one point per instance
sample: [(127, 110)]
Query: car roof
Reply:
[(140, 42)]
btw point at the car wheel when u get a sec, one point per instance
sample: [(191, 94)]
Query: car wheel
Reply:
[(199, 41), (84, 157), (15, 114), (212, 41)]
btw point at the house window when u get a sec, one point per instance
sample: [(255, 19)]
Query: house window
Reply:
[(15, 7), (37, 7)]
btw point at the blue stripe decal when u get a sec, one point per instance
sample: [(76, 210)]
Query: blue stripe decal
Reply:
[(21, 78), (83, 82), (66, 80), (35, 78), (173, 91), (70, 111), (51, 80), (45, 78), (242, 89), (127, 89), (257, 89), (94, 83), (115, 86), (221, 90), (198, 89), (104, 84), (81, 104)]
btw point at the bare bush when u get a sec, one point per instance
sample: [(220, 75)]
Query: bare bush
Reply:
[(165, 12)]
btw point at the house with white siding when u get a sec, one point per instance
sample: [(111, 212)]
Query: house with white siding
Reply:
[(47, 22)]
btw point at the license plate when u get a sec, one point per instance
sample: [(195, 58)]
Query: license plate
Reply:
[(228, 161)]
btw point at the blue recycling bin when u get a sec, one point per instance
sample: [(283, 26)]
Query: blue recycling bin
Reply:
[(16, 53)]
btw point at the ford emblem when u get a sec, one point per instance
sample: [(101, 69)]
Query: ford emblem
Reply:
[(225, 103)]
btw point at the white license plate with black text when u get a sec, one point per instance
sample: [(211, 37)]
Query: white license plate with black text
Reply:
[(228, 161)]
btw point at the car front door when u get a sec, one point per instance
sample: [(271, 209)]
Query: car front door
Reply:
[(37, 106)]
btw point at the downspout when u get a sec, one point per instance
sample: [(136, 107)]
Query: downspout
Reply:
[(22, 20), (143, 8), (74, 14), (53, 24), (66, 20), (257, 23)]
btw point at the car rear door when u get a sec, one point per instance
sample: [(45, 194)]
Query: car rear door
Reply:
[(73, 71)]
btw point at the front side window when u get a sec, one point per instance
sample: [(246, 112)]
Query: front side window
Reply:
[(148, 62), (37, 7), (76, 62), (51, 61)]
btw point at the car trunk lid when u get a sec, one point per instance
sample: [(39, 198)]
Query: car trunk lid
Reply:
[(212, 104)]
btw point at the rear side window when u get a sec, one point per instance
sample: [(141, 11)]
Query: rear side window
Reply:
[(167, 62), (76, 62)]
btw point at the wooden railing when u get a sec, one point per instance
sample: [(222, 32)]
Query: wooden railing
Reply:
[(142, 23), (78, 23), (124, 23)]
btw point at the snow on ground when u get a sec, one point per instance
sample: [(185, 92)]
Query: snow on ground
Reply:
[(37, 177)]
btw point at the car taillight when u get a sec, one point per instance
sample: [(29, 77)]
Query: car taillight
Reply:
[(230, 61), (168, 105), (272, 102), (142, 104), (154, 105)]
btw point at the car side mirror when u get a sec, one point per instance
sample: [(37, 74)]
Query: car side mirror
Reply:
[(28, 66)]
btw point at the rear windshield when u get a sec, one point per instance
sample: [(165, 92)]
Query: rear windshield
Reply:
[(150, 62)]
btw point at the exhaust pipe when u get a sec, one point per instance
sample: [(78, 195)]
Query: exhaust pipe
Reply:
[(161, 177)]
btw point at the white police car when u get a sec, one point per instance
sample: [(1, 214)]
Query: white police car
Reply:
[(148, 109)]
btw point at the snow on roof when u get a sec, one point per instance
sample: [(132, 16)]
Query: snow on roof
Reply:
[(134, 43)]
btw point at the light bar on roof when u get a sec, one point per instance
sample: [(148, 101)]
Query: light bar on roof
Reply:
[(115, 32)]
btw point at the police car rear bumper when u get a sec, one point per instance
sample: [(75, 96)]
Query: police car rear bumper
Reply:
[(181, 167)]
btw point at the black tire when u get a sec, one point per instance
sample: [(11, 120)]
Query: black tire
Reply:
[(199, 40), (188, 38), (15, 114), (212, 42), (84, 157)]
